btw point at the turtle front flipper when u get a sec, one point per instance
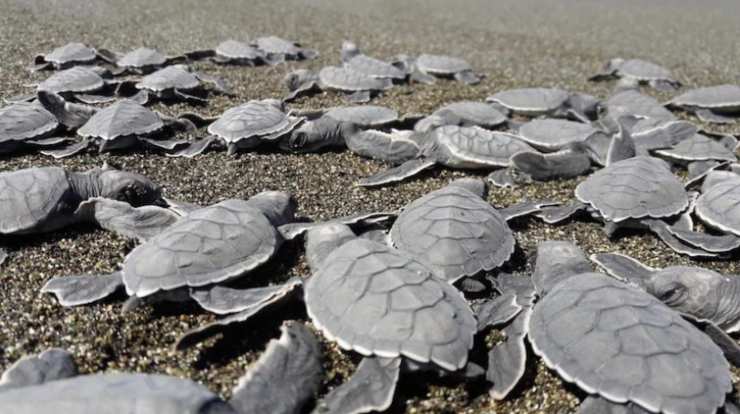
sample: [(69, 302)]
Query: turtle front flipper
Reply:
[(286, 376), (407, 169), (83, 289), (524, 208), (557, 214), (195, 148), (69, 114), (709, 242), (50, 365), (224, 300), (355, 396), (67, 151), (623, 267), (137, 223), (394, 147), (664, 233), (706, 115), (507, 360), (497, 311)]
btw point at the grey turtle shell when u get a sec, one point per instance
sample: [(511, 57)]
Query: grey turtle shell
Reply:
[(209, 245), (554, 134), (277, 46), (365, 116), (250, 120), (25, 120), (377, 301), (75, 79), (698, 148), (637, 187), (71, 53), (123, 118), (531, 101), (719, 206), (721, 98), (233, 49), (625, 345), (375, 68), (634, 103), (31, 197), (474, 147), (348, 80), (642, 70), (141, 58), (454, 230), (473, 113), (441, 65), (115, 393), (168, 78)]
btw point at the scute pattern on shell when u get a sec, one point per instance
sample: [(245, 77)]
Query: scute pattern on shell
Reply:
[(720, 206), (209, 245), (634, 103), (620, 342), (123, 118), (76, 79), (454, 230), (30, 196), (345, 79), (25, 120), (634, 188), (251, 119), (169, 77), (553, 134), (69, 53), (375, 300), (699, 148), (474, 147), (478, 113), (142, 57)]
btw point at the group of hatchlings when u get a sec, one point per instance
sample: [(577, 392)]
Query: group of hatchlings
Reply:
[(390, 285)]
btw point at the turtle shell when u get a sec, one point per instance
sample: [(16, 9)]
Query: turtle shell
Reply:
[(643, 70), (531, 101), (454, 230), (474, 147), (719, 206), (277, 46), (142, 57), (32, 197), (252, 119), (634, 188), (75, 79), (365, 116), (721, 98), (114, 392), (554, 134), (441, 65), (698, 148), (619, 342), (71, 53), (123, 118), (375, 300), (170, 77), (634, 103), (25, 120), (348, 80), (474, 113), (209, 245), (233, 49), (375, 68)]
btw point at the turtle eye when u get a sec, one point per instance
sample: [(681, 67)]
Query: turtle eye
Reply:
[(672, 295), (298, 141)]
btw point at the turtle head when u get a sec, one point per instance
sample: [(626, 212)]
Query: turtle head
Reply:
[(474, 185), (557, 261), (129, 187), (312, 136), (278, 206), (349, 50), (322, 240), (298, 78), (691, 290)]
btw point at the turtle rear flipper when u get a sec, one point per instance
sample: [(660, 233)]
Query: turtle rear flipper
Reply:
[(355, 396), (396, 174), (83, 289)]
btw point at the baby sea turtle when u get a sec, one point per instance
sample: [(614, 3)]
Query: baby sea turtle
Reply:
[(27, 125), (698, 147), (535, 102), (46, 199), (69, 55), (240, 235), (631, 102), (463, 113), (83, 84), (283, 49), (451, 146), (145, 60), (177, 82), (718, 104), (620, 343), (358, 86), (456, 231), (551, 135), (50, 365), (701, 293), (426, 68), (638, 71), (234, 52), (355, 60)]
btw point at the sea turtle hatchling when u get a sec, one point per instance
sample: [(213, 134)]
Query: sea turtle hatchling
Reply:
[(717, 104), (549, 135), (46, 199), (359, 87), (638, 71), (178, 82), (701, 293), (426, 68), (27, 125), (145, 60), (69, 55), (234, 52), (533, 102), (355, 60), (463, 113), (283, 49)]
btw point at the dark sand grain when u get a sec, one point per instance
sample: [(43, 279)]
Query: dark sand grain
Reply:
[(515, 43)]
